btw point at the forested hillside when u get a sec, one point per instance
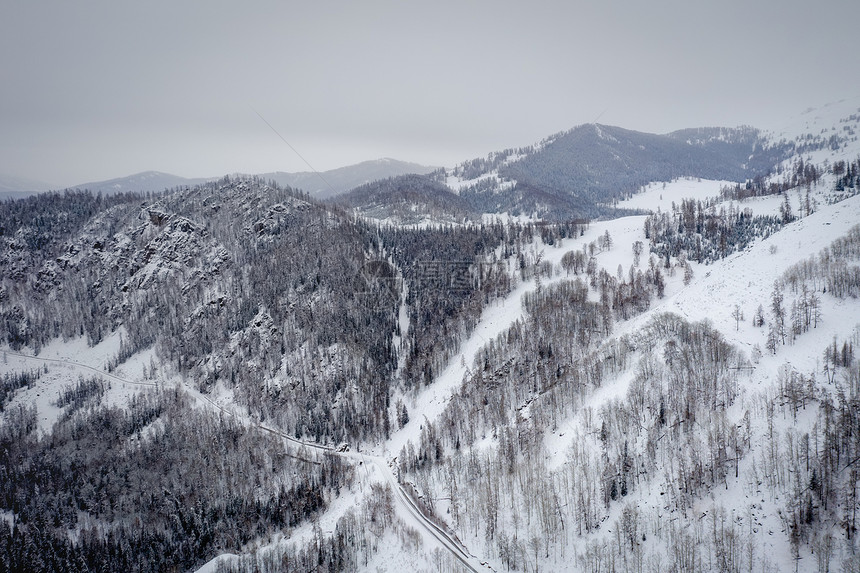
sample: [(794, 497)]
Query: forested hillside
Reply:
[(247, 285), (583, 171), (153, 486), (309, 319), (602, 163), (408, 200), (238, 377)]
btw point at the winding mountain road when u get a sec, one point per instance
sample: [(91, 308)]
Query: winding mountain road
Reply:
[(79, 366), (409, 510)]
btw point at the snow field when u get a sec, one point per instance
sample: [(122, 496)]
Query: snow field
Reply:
[(744, 278), (69, 361)]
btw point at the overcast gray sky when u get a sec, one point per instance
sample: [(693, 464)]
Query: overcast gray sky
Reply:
[(97, 89)]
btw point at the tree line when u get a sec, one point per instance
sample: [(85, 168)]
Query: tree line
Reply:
[(157, 486)]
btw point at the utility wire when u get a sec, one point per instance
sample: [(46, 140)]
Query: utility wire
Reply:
[(320, 175)]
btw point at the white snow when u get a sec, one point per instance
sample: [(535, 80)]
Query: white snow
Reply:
[(825, 119), (660, 196), (69, 361), (745, 278)]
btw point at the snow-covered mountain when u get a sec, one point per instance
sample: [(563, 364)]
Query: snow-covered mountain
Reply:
[(236, 377), (408, 200), (326, 184), (319, 185), (146, 181), (581, 172)]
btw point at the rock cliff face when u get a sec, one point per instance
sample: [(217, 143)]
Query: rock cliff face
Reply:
[(224, 280), (243, 284)]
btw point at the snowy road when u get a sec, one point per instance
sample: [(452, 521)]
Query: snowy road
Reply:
[(408, 510), (431, 401), (77, 366)]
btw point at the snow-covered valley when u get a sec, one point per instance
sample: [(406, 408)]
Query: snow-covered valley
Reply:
[(609, 401)]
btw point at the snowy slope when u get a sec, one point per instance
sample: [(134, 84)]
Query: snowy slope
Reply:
[(662, 195), (745, 279), (834, 127), (64, 363), (830, 118)]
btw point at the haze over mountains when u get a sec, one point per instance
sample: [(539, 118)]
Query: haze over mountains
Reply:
[(567, 173), (17, 188), (335, 181), (577, 173), (320, 185)]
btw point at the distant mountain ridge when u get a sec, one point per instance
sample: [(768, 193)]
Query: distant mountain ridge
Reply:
[(320, 185), (18, 187), (326, 184), (575, 174), (579, 173), (146, 181), (407, 200)]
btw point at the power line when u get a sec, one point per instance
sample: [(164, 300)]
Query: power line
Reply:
[(295, 151)]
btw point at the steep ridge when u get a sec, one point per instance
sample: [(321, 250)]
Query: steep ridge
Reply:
[(407, 200)]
